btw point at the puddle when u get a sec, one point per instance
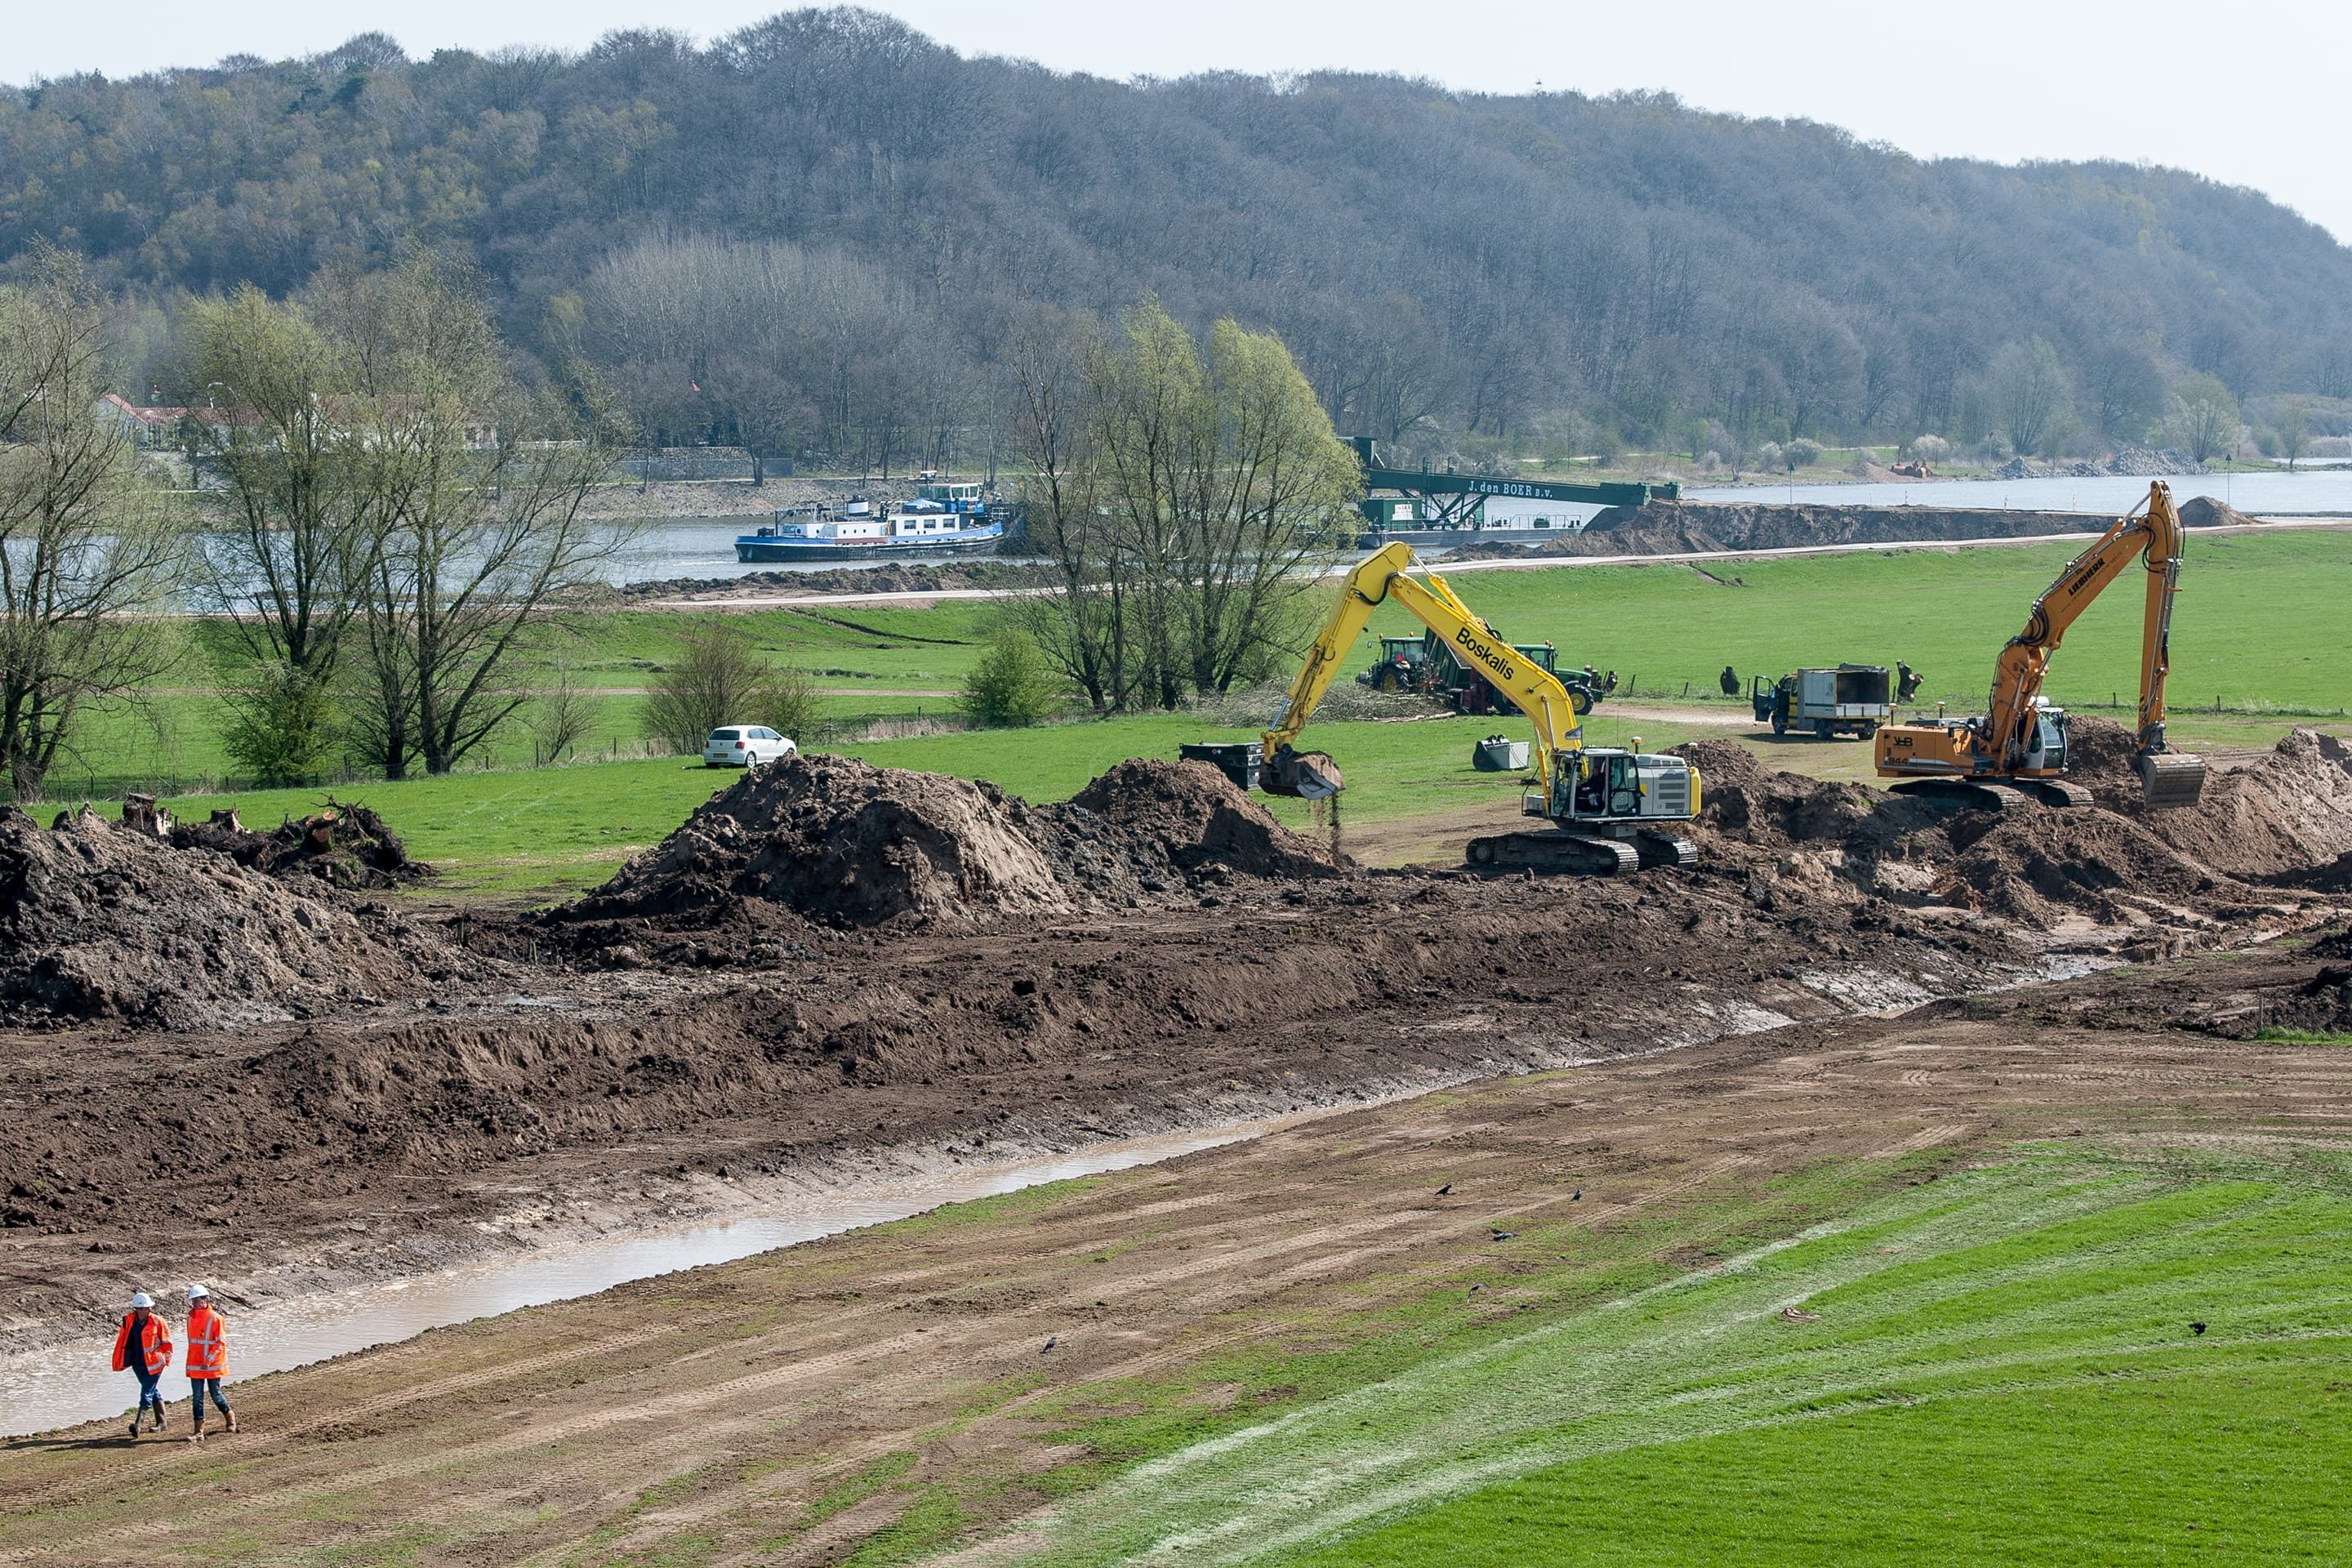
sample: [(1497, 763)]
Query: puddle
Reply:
[(65, 1384)]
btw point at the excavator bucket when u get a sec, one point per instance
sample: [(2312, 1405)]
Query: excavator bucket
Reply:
[(2169, 778), (1309, 775)]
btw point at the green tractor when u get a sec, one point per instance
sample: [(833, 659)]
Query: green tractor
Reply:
[(1425, 665)]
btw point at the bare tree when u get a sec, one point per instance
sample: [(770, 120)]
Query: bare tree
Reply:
[(2030, 397), (720, 678), (300, 525), (2293, 437), (1082, 626), (87, 547), (481, 484), (561, 713), (2204, 420)]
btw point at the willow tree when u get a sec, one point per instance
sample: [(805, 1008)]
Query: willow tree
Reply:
[(1190, 492), (88, 547)]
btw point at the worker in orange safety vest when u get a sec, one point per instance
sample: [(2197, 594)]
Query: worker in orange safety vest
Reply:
[(207, 1360), (143, 1347)]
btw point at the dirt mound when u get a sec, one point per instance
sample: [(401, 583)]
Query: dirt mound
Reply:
[(101, 921), (842, 842), (2204, 511), (2037, 866), (346, 847), (1195, 814), (1664, 527), (2285, 815), (1742, 800)]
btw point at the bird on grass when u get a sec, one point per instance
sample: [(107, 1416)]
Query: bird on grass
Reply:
[(1051, 1341), (1445, 1189), (1475, 1288), (1576, 1196), (2196, 1327), (1503, 1235)]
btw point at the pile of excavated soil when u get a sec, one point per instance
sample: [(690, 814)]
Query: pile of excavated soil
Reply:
[(2037, 866), (2112, 861), (99, 921), (2282, 817), (2204, 511), (1665, 527), (346, 847), (841, 843), (1194, 814)]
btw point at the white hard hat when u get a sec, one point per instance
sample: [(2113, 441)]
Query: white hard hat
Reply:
[(141, 1298), (197, 1292)]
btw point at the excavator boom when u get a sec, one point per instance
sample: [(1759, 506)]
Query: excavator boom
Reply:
[(1609, 811), (1378, 578), (2021, 738)]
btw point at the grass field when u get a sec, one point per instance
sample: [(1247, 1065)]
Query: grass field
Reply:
[(2259, 627), (1993, 1368)]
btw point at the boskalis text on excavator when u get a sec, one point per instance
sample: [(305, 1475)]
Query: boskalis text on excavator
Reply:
[(1610, 810), (2017, 747)]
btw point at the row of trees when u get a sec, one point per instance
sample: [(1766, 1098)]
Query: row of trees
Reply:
[(813, 235), (401, 523)]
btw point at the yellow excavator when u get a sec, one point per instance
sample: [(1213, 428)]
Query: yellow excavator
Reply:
[(1611, 811), (2019, 746)]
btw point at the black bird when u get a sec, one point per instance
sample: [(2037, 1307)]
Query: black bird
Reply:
[(1475, 1288), (1503, 1235), (1051, 1341), (1576, 1196), (1445, 1189), (2196, 1327)]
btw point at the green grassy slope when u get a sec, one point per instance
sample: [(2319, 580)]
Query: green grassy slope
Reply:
[(2259, 620), (1995, 1367)]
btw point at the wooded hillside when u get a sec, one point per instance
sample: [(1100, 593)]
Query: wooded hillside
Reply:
[(823, 225)]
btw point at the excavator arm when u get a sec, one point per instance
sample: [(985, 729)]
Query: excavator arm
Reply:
[(2003, 743), (2153, 534), (1382, 576)]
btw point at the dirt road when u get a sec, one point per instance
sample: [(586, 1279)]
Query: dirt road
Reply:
[(787, 1407)]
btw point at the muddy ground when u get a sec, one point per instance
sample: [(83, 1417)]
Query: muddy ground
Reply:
[(274, 1084), (728, 1412)]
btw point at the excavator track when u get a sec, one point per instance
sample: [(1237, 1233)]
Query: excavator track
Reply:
[(1656, 849), (1575, 853), (2052, 792), (1966, 792)]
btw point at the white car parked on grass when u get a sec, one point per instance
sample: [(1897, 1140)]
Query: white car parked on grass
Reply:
[(744, 746)]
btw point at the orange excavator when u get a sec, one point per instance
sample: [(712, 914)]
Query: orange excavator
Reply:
[(2019, 746)]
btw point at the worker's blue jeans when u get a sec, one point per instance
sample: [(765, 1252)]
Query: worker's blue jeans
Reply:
[(198, 1388), (149, 1393)]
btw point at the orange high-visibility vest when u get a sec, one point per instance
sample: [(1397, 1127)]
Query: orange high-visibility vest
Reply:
[(208, 1345), (154, 1344)]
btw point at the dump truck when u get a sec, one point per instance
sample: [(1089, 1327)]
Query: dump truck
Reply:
[(1851, 700)]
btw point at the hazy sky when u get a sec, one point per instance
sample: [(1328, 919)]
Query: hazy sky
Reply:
[(2254, 95)]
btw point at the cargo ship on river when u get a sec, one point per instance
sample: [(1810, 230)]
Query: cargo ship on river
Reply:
[(945, 518)]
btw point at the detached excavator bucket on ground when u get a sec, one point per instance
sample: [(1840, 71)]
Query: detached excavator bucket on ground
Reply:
[(2169, 779)]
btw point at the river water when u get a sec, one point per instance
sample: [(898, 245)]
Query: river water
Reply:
[(705, 546), (68, 1383)]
